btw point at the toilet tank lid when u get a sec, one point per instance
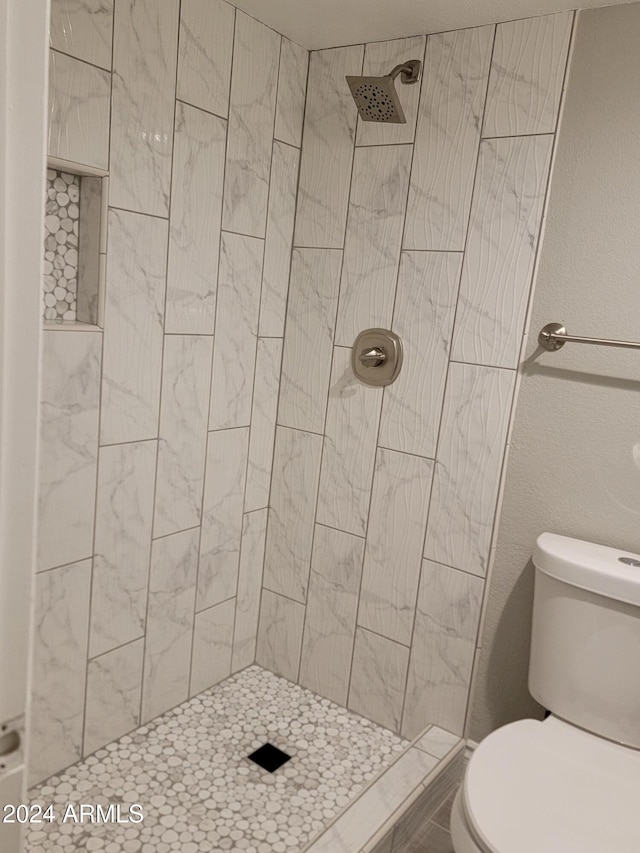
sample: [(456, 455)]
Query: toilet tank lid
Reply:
[(596, 568)]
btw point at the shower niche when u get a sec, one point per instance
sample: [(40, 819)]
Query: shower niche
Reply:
[(74, 246)]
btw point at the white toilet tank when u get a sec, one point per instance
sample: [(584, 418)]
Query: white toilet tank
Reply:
[(585, 641)]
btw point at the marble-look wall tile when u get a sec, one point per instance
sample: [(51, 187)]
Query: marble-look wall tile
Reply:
[(447, 138), (206, 49), (311, 316), (393, 555), (172, 589), (212, 644), (349, 450), (182, 446), (377, 208), (222, 516), (254, 82), (379, 58), (254, 534), (329, 134), (89, 249), (469, 460), (501, 248), (124, 515), (277, 248), (527, 73), (263, 423), (78, 111), (280, 635), (292, 90), (378, 679), (359, 823), (196, 213), (296, 470), (423, 318), (145, 49), (59, 667), (332, 605), (444, 644), (114, 682), (134, 307), (83, 28), (234, 352), (69, 400)]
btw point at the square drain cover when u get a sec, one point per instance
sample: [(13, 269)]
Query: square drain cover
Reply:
[(269, 757)]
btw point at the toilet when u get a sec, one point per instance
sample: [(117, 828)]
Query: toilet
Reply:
[(570, 784)]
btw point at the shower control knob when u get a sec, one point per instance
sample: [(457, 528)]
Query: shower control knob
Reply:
[(373, 357)]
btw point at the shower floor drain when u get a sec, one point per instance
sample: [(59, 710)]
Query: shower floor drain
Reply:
[(269, 757)]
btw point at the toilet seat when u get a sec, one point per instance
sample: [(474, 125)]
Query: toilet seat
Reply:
[(550, 787)]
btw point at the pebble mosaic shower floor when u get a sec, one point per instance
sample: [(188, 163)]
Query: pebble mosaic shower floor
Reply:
[(189, 771)]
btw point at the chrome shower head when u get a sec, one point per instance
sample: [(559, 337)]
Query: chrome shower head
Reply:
[(376, 97)]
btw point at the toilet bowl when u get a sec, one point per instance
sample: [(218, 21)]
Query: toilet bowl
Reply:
[(570, 784)]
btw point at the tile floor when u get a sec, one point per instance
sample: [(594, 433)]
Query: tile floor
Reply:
[(189, 771)]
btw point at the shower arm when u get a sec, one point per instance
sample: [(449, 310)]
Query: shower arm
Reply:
[(409, 71)]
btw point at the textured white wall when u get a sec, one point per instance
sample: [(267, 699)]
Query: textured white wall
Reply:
[(574, 462)]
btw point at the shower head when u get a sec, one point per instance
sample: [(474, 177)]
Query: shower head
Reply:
[(376, 97)]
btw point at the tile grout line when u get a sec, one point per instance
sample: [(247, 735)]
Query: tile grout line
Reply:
[(212, 363), (162, 359), (328, 390)]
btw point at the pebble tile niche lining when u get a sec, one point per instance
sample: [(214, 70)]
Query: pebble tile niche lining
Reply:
[(189, 769), (61, 228)]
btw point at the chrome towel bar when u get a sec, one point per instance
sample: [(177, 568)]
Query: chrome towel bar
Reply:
[(553, 336)]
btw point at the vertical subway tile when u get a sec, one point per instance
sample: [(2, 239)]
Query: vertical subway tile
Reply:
[(172, 587), (59, 668), (469, 460), (306, 361), (254, 533), (399, 504), (145, 48), (501, 248), (69, 399), (378, 679), (83, 29), (277, 248), (124, 515), (134, 308), (296, 469), (377, 208), (280, 635), (222, 516), (349, 450), (380, 57), (447, 138), (292, 89), (252, 107), (527, 72), (206, 49), (423, 318), (263, 423), (114, 682), (332, 605), (234, 352), (78, 111), (196, 212), (182, 447), (329, 134), (444, 643), (212, 645)]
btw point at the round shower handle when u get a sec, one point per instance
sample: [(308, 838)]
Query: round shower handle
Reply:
[(373, 357)]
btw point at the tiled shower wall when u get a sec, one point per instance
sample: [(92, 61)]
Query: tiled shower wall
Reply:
[(383, 502), (156, 452)]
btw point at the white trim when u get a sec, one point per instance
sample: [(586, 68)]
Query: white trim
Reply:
[(23, 101)]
